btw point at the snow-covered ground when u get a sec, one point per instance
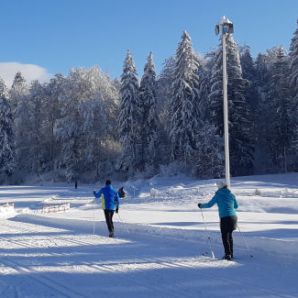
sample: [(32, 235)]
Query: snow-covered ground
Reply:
[(53, 241)]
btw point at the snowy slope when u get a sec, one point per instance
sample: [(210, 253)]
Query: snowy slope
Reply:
[(161, 246)]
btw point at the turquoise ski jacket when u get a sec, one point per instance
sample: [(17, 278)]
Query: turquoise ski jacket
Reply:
[(226, 202)]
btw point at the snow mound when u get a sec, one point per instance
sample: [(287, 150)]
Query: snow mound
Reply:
[(7, 210)]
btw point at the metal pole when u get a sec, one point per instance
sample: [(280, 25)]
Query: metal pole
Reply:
[(225, 111)]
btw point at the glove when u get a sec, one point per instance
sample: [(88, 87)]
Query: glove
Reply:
[(117, 210), (200, 205)]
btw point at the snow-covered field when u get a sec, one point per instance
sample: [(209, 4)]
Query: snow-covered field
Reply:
[(53, 241)]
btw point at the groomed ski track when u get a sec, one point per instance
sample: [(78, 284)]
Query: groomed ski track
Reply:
[(142, 261)]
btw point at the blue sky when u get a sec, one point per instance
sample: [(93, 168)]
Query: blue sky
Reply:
[(60, 34)]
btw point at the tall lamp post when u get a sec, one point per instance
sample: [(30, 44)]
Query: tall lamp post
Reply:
[(224, 28)]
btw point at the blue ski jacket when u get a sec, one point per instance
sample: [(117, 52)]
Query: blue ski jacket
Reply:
[(225, 201), (109, 197)]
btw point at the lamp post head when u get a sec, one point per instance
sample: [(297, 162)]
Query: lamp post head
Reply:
[(224, 26), (225, 20)]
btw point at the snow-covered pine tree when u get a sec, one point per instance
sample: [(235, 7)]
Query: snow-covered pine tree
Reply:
[(164, 90), (22, 122), (247, 64), (185, 119), (164, 101), (263, 65), (261, 70), (279, 132), (148, 109), (293, 54), (7, 153), (130, 118), (35, 136), (241, 135), (216, 92), (208, 161), (240, 124), (293, 82), (204, 86), (249, 74), (251, 94)]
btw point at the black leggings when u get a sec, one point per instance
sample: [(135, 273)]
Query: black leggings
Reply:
[(109, 219), (227, 226)]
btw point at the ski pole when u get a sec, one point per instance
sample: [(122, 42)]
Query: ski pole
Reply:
[(245, 242), (94, 215), (208, 234)]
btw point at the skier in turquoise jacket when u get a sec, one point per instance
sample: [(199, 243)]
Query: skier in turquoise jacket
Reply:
[(227, 205), (109, 202)]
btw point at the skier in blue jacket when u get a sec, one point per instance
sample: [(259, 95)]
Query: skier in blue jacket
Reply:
[(227, 205), (110, 204)]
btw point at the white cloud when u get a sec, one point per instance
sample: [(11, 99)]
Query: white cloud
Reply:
[(30, 72)]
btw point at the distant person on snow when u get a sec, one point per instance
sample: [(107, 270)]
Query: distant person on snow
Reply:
[(227, 204), (121, 192), (110, 204)]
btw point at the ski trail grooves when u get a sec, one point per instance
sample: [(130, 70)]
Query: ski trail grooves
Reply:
[(158, 267), (29, 272), (51, 284)]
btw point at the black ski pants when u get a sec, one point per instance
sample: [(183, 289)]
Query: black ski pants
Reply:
[(227, 226), (109, 219)]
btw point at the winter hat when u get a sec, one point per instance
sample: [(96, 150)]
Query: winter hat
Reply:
[(221, 184)]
